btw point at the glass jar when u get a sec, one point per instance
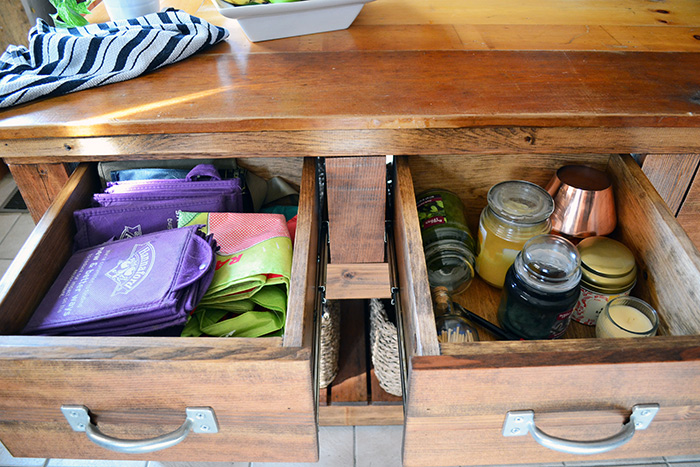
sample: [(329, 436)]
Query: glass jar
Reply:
[(450, 324), (541, 288), (608, 270), (516, 212), (627, 317), (448, 243)]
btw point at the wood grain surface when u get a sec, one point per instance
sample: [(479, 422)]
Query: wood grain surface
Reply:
[(350, 384), (444, 89), (298, 328), (359, 280), (579, 390), (356, 192), (671, 175), (39, 185), (689, 214)]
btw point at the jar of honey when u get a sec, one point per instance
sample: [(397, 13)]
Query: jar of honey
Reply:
[(517, 211), (448, 243), (541, 288)]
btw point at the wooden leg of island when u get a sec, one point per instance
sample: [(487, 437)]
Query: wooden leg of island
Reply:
[(39, 184)]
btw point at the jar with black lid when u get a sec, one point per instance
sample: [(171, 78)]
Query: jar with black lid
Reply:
[(541, 288)]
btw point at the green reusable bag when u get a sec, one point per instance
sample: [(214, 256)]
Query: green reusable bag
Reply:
[(248, 295), (243, 318)]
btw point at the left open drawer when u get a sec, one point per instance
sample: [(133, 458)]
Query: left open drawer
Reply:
[(260, 390)]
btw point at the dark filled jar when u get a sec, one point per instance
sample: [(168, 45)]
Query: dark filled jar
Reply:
[(541, 288), (448, 243)]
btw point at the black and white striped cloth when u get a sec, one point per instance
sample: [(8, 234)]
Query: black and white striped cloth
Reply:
[(59, 60)]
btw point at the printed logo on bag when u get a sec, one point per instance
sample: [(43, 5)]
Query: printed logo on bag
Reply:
[(131, 232), (129, 273)]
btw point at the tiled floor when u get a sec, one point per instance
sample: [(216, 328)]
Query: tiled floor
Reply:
[(371, 446)]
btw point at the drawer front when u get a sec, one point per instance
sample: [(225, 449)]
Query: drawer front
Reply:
[(579, 387), (260, 390)]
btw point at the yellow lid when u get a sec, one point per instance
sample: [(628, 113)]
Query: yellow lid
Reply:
[(607, 266)]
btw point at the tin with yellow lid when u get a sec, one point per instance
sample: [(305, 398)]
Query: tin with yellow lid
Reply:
[(608, 270)]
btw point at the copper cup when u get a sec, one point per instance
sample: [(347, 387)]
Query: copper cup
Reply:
[(584, 205)]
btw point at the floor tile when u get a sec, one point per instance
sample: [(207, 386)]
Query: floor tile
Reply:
[(198, 464), (7, 188), (648, 461), (6, 460), (337, 449), (378, 446), (4, 264), (93, 463), (549, 464), (7, 220), (695, 459), (15, 238)]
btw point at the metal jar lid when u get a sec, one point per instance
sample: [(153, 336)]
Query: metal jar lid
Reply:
[(520, 202), (607, 266)]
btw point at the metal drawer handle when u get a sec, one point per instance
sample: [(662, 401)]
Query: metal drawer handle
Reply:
[(199, 420), (520, 423)]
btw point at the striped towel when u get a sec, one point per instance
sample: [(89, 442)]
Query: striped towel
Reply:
[(59, 60)]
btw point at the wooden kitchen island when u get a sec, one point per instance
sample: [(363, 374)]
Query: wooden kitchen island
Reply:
[(470, 90)]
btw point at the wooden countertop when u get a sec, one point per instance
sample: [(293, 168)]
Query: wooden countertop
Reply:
[(409, 76)]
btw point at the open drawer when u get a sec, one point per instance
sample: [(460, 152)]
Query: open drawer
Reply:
[(260, 390), (579, 387)]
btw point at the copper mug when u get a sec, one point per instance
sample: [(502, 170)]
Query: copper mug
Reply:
[(584, 205)]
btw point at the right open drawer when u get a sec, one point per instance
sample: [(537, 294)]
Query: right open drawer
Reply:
[(579, 387)]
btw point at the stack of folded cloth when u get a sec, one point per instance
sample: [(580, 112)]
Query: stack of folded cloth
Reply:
[(133, 286), (136, 207), (248, 295)]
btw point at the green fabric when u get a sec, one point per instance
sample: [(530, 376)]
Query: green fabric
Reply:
[(213, 321), (248, 294), (242, 274)]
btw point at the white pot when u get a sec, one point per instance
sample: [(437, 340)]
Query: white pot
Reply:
[(125, 9)]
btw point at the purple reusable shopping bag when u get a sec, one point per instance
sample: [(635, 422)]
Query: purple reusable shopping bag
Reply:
[(100, 224), (202, 180), (131, 286)]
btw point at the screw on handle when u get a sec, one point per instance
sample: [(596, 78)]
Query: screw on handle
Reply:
[(199, 420), (520, 423)]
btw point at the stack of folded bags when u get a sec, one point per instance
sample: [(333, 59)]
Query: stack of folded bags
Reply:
[(172, 257)]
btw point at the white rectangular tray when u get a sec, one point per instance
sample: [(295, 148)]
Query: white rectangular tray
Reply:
[(277, 20)]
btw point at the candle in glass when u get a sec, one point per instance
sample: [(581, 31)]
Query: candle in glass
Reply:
[(627, 317)]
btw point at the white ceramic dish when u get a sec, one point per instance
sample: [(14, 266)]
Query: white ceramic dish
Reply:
[(277, 20)]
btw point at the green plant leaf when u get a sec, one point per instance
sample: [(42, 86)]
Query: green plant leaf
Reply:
[(69, 13)]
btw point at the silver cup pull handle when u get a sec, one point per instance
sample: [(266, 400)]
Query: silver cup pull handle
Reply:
[(199, 420), (520, 423)]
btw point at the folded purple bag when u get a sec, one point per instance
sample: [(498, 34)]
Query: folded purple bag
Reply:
[(100, 224), (202, 180), (131, 286), (233, 202)]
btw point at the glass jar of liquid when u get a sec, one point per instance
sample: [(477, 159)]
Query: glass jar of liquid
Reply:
[(448, 243), (541, 288), (516, 211)]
